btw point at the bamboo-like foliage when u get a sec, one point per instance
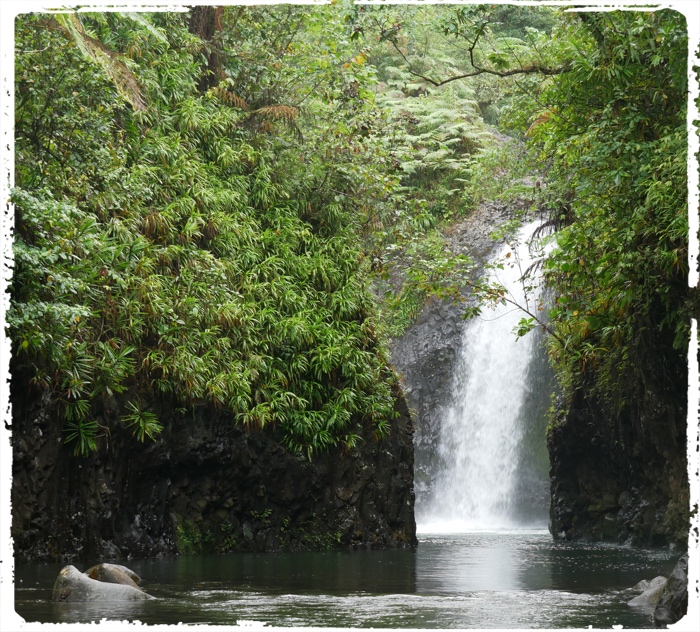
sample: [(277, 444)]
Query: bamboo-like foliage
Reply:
[(164, 257)]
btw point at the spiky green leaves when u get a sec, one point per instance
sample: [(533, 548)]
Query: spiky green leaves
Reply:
[(185, 265)]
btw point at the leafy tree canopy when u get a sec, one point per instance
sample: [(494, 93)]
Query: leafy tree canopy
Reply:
[(195, 248)]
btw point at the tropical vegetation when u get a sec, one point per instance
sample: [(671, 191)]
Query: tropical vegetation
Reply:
[(237, 206)]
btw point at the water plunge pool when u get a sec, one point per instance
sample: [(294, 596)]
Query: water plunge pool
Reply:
[(505, 579)]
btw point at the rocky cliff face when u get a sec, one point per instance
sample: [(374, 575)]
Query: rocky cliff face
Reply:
[(425, 357), (205, 485), (623, 477)]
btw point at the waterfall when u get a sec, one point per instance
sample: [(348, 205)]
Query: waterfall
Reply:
[(480, 442)]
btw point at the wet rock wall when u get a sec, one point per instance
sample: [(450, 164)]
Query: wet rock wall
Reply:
[(622, 476), (206, 485)]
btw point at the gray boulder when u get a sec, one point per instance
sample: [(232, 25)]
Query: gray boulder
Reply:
[(651, 595), (641, 586), (114, 574), (673, 604), (73, 586)]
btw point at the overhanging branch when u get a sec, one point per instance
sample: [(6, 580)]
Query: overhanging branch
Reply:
[(478, 70)]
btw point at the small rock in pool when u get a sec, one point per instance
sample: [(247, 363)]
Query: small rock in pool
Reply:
[(641, 586), (113, 574), (651, 595), (73, 586)]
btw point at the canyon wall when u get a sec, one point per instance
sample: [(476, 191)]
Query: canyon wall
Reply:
[(205, 485), (622, 475)]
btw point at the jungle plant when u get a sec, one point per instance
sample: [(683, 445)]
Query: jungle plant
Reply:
[(608, 139), (81, 431), (144, 423), (184, 250)]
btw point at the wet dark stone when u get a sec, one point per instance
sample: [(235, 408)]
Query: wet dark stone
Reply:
[(205, 485), (674, 601), (631, 464)]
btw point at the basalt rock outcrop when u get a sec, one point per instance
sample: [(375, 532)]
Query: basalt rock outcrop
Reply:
[(205, 485), (622, 476)]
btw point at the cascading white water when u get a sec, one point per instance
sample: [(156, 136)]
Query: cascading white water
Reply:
[(481, 432)]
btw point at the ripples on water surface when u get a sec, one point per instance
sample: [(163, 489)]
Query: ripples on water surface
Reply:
[(507, 579)]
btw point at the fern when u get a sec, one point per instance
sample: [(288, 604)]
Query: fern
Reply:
[(278, 112), (229, 98), (108, 60)]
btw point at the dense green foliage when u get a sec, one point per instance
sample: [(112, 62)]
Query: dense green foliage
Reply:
[(202, 199), (177, 252), (613, 140), (605, 140), (598, 103)]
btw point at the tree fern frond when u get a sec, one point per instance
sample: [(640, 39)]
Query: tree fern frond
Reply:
[(229, 98), (297, 131), (94, 50), (278, 112), (264, 117), (533, 268)]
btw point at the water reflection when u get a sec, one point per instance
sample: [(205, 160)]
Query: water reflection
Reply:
[(335, 572), (481, 561), (96, 611)]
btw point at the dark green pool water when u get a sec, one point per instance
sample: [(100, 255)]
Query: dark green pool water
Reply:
[(508, 579)]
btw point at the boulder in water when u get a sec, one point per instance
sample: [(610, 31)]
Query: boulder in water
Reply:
[(673, 604), (651, 595), (74, 586), (113, 574), (641, 586)]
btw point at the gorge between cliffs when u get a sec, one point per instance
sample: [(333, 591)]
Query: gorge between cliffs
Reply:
[(352, 316), (477, 510)]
